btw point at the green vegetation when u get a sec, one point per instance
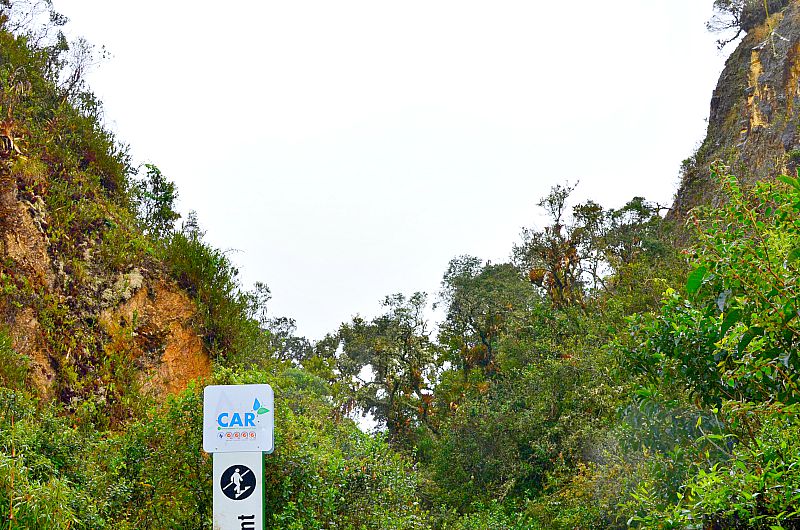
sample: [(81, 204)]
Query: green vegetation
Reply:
[(601, 378)]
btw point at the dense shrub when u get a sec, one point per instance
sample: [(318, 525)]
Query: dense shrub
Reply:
[(227, 312), (732, 346)]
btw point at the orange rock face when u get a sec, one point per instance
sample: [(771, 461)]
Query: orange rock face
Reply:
[(168, 348), (149, 319)]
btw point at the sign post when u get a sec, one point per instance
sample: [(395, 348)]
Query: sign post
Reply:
[(238, 491), (238, 429)]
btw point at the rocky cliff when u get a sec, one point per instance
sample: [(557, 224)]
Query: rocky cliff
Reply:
[(136, 312), (755, 108), (86, 299)]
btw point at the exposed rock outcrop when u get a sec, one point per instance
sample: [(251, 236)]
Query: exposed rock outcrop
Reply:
[(28, 339), (755, 110), (166, 346), (146, 315), (21, 239)]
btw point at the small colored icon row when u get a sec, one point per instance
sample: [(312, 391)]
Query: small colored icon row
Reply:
[(238, 435)]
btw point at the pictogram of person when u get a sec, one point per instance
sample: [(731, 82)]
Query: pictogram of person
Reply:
[(236, 478), (239, 482)]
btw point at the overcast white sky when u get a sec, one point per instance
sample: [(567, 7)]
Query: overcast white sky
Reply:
[(348, 149)]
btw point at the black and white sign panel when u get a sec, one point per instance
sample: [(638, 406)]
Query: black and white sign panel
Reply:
[(238, 494)]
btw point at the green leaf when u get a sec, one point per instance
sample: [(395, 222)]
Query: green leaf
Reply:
[(790, 181), (794, 255), (748, 337), (695, 279), (262, 410), (733, 316)]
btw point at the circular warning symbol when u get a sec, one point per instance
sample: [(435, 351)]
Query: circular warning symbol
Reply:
[(238, 482)]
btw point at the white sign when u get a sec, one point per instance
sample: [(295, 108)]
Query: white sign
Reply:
[(238, 491), (238, 418)]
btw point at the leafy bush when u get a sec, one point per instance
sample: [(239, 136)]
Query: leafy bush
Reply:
[(43, 478), (490, 517), (155, 197), (732, 346)]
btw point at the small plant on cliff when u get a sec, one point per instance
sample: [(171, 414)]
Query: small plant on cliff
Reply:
[(155, 197), (13, 366), (740, 16)]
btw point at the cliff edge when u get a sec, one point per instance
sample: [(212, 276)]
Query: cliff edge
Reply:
[(755, 108)]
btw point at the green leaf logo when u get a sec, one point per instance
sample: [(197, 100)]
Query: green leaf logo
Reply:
[(258, 408)]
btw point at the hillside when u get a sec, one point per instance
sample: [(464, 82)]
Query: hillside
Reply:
[(81, 278), (620, 370)]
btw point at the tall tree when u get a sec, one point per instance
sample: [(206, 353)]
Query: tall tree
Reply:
[(572, 256), (551, 254), (392, 363), (481, 301)]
